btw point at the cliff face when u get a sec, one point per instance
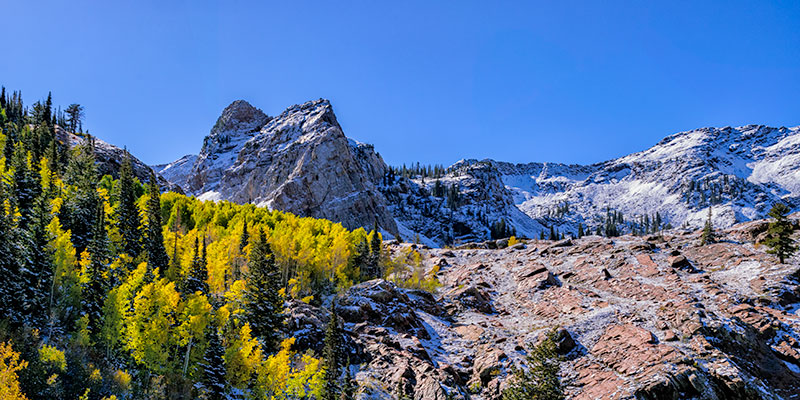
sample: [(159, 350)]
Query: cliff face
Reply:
[(299, 161)]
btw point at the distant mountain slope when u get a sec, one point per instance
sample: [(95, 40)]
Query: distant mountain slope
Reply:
[(739, 172), (301, 161), (109, 159)]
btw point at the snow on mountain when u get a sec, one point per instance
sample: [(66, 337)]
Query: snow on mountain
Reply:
[(301, 161), (177, 171)]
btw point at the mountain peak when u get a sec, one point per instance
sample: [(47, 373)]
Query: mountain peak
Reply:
[(240, 116)]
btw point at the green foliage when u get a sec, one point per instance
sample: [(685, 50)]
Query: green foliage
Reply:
[(154, 239), (708, 231), (213, 384), (779, 233), (538, 378), (127, 213), (332, 354), (263, 301)]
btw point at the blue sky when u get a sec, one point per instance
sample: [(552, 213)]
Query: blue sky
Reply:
[(429, 81)]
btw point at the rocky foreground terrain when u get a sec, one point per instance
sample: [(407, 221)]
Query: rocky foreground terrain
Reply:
[(656, 317)]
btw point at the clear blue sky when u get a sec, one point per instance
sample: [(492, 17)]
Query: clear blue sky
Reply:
[(429, 81)]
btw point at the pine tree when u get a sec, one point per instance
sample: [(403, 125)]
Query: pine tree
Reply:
[(332, 358), (26, 186), (708, 231), (213, 366), (197, 278), (263, 303), (156, 252), (538, 380), (127, 214), (580, 230), (553, 235), (779, 233), (11, 252), (244, 238), (81, 199), (361, 259), (74, 117), (94, 293), (375, 247), (349, 385), (41, 253)]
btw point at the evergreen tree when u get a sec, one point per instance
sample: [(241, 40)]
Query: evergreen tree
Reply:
[(263, 303), (580, 230), (81, 199), (361, 259), (74, 117), (538, 380), (553, 235), (127, 213), (94, 292), (26, 186), (41, 253), (197, 278), (779, 233), (375, 247), (332, 358), (156, 252), (214, 383), (708, 231), (244, 238), (11, 252)]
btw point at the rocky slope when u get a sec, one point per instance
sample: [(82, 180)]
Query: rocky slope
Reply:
[(109, 159), (658, 317)]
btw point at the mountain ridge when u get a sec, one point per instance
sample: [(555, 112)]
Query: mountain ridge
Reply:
[(737, 171)]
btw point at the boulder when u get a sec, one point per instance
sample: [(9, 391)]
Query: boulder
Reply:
[(380, 303), (470, 297)]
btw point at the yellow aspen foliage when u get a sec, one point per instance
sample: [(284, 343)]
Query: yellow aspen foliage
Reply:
[(287, 375), (150, 327), (52, 356), (116, 309), (10, 364), (242, 356)]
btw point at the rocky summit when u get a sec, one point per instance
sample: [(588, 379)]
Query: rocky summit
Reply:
[(655, 317)]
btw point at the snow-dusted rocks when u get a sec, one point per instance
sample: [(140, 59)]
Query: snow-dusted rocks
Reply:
[(738, 172), (728, 330)]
